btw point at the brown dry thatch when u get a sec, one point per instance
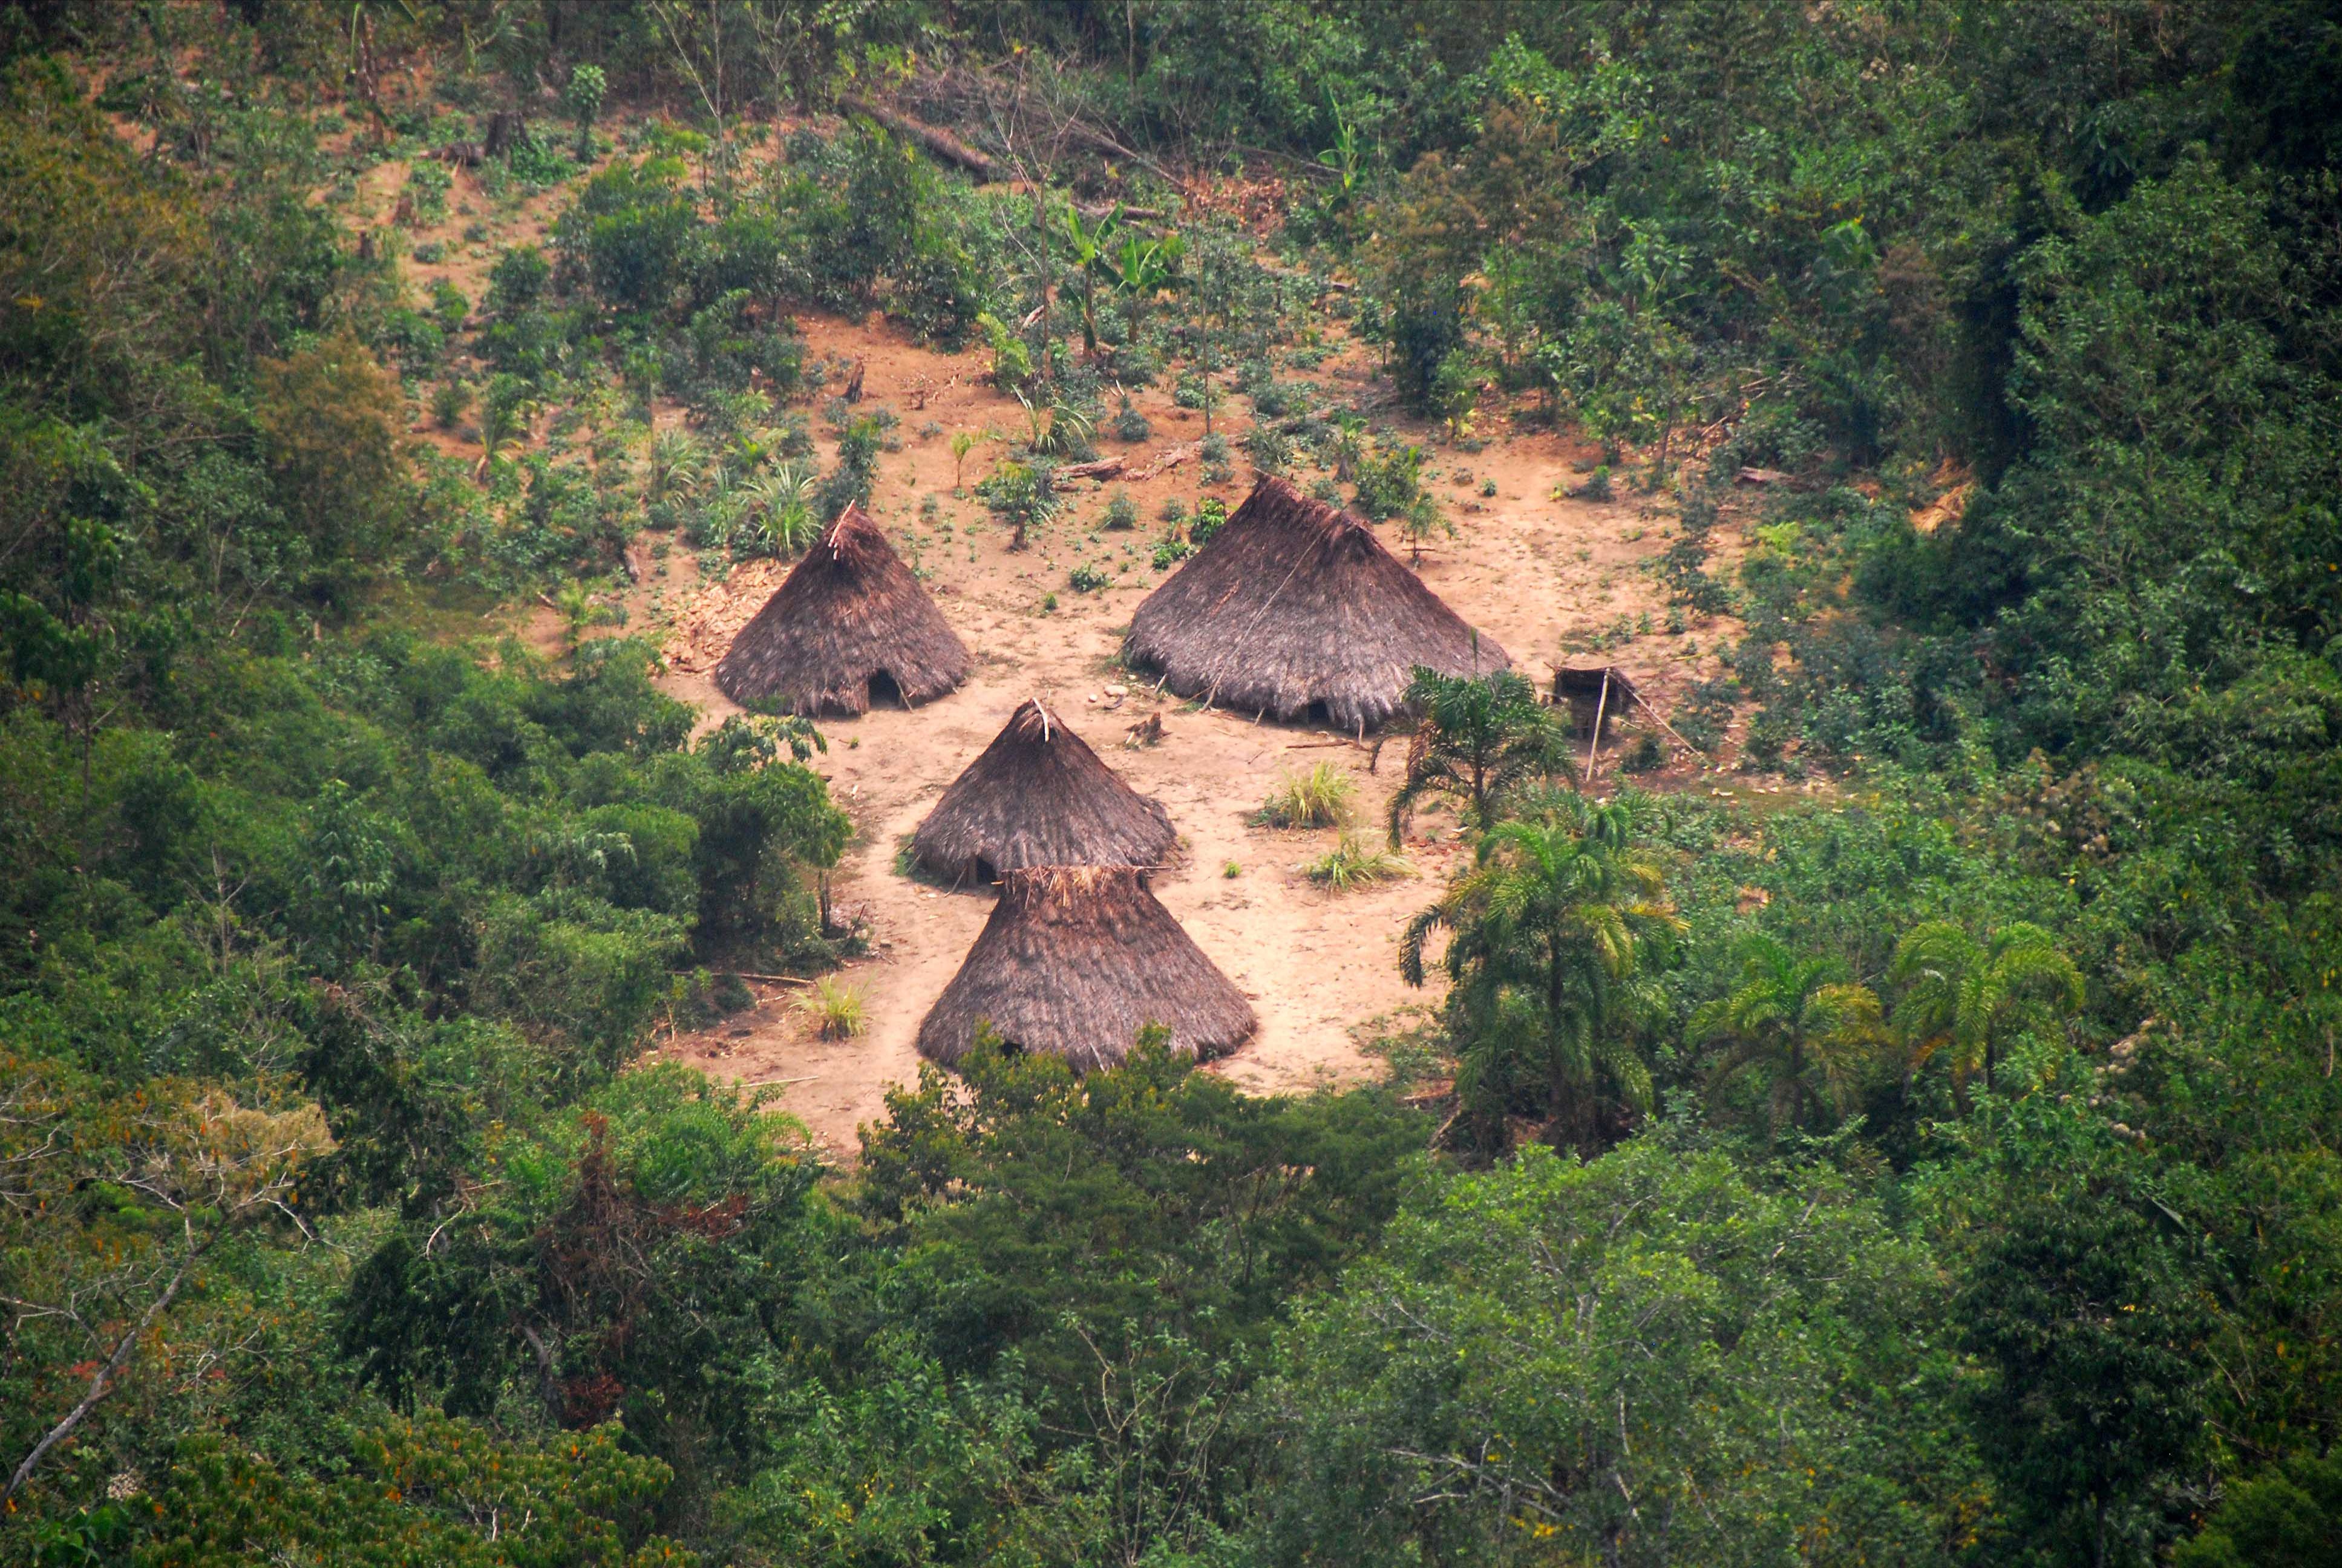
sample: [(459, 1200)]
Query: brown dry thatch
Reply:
[(1295, 609), (849, 621), (1039, 796), (1074, 961)]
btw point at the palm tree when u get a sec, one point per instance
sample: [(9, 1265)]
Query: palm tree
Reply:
[(503, 420), (1796, 1018), (1553, 936), (1963, 997), (1480, 738), (574, 605)]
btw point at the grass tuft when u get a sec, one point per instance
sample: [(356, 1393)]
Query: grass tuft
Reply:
[(1354, 863), (1322, 798), (835, 1006)]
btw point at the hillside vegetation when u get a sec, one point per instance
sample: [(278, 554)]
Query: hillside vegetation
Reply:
[(1890, 1116)]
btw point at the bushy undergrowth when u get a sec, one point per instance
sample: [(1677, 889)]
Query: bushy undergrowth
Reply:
[(1942, 1164)]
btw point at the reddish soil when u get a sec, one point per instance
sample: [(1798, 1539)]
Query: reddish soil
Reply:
[(1526, 567), (1531, 569)]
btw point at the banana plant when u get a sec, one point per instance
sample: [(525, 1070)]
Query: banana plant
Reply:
[(1088, 246), (1345, 157), (1143, 268)]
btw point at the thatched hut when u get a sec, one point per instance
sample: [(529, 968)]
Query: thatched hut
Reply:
[(1296, 609), (1039, 796), (847, 627), (1074, 961), (1597, 695)]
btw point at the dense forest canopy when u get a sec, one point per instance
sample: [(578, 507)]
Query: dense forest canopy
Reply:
[(1940, 1165)]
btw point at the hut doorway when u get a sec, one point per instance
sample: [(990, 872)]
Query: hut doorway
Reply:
[(1316, 715), (885, 692)]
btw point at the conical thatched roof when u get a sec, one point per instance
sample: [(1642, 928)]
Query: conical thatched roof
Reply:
[(1298, 610), (850, 616), (1074, 961), (1039, 796)]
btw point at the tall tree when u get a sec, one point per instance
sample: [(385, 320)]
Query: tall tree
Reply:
[(1795, 1018), (1963, 998), (2084, 1302), (1555, 932)]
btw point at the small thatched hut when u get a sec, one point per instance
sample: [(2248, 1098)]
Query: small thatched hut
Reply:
[(848, 625), (1597, 695), (1295, 609), (1074, 961), (1039, 796)]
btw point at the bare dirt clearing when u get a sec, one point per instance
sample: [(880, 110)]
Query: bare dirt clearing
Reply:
[(1528, 568)]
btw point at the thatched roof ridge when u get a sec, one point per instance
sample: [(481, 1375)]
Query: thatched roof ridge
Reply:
[(1038, 795), (850, 613), (1293, 606), (1074, 961), (1585, 678)]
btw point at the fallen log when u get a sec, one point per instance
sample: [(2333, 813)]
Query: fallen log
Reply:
[(942, 144), (1103, 469), (959, 155), (1167, 459)]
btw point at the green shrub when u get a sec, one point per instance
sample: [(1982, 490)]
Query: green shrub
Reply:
[(1022, 494), (1211, 514), (449, 399), (635, 230), (583, 98), (1270, 451), (1012, 362), (1389, 481), (449, 306), (428, 182), (1135, 363), (849, 484)]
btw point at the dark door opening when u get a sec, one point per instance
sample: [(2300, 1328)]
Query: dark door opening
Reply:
[(1316, 714), (885, 692)]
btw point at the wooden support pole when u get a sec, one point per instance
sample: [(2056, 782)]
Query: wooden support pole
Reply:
[(1601, 706)]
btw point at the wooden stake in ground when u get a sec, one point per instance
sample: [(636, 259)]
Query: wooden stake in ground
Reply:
[(1601, 706)]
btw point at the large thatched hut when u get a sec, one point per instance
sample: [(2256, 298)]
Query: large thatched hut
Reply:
[(1074, 961), (849, 625), (1295, 609), (1039, 796)]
